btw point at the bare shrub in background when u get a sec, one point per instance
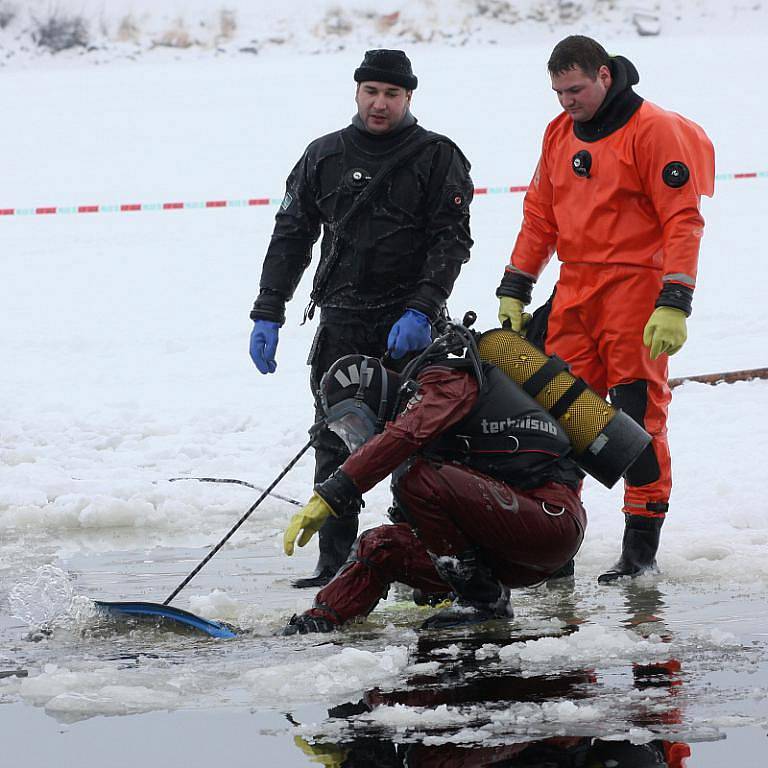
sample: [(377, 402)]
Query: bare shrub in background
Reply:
[(385, 22), (7, 14), (59, 32), (227, 25), (128, 30), (542, 11), (335, 22), (175, 37)]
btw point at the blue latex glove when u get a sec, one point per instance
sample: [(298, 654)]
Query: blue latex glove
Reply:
[(264, 345), (411, 333)]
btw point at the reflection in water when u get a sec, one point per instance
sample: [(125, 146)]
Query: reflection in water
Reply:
[(475, 690), (645, 610), (645, 616), (557, 752)]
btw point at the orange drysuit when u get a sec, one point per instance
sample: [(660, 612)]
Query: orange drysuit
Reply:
[(622, 212)]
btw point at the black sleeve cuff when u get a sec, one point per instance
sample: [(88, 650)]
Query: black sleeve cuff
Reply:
[(677, 296), (425, 306), (516, 286), (341, 494), (269, 306)]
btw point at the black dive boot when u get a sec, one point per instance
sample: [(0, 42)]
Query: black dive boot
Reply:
[(305, 624), (480, 597), (564, 576), (420, 597), (638, 549), (336, 539)]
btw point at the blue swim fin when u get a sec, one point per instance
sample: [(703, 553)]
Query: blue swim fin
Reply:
[(160, 611)]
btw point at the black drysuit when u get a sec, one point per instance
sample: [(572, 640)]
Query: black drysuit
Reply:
[(402, 248)]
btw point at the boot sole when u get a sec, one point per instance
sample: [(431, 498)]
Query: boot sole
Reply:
[(613, 576), (448, 624)]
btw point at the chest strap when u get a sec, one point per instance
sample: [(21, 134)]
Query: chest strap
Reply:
[(465, 445)]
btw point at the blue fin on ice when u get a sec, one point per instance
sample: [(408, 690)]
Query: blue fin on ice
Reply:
[(157, 610)]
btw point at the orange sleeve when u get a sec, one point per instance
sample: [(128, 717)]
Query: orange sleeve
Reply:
[(676, 162), (536, 241)]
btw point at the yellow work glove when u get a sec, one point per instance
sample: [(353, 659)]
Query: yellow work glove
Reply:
[(328, 755), (511, 311), (308, 520), (665, 331)]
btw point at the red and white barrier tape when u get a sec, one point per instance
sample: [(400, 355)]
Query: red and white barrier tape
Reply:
[(51, 210)]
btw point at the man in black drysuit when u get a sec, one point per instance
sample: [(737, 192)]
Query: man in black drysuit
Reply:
[(393, 201)]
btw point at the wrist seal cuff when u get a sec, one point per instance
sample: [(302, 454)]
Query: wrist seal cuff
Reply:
[(515, 285), (340, 494), (269, 306), (677, 296)]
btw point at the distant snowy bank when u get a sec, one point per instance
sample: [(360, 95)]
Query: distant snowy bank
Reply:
[(100, 32)]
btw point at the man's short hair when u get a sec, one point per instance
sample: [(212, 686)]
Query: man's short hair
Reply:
[(578, 51)]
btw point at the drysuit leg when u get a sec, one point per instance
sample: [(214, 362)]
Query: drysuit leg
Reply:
[(648, 482), (596, 325), (522, 536), (380, 557)]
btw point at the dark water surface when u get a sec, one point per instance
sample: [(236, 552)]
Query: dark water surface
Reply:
[(634, 676)]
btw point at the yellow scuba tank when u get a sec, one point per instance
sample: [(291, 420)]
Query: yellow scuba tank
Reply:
[(605, 441)]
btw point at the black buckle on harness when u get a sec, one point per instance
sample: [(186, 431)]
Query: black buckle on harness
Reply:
[(544, 375)]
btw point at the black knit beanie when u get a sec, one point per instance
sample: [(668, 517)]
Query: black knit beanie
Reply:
[(385, 66)]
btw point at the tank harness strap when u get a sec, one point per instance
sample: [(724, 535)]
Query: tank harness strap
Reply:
[(464, 445), (544, 375), (568, 398)]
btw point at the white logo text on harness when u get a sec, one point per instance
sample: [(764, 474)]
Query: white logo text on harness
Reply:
[(496, 427)]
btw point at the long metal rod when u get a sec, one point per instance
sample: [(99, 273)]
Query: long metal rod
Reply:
[(718, 378), (232, 481), (237, 524)]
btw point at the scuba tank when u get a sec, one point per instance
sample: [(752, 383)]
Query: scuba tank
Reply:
[(605, 441)]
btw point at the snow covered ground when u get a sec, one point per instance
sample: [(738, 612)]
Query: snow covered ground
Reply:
[(99, 32), (125, 346)]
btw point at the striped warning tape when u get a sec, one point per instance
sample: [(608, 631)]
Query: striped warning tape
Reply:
[(134, 207), (51, 210)]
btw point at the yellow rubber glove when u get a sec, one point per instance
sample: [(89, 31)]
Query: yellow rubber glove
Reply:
[(308, 520), (328, 755), (665, 331), (511, 310)]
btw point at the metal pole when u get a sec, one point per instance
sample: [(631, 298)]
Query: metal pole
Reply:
[(232, 481), (718, 378), (238, 524)]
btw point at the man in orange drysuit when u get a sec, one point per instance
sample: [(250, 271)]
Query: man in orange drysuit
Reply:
[(616, 193)]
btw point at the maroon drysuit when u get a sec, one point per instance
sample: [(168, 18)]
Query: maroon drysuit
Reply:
[(449, 507)]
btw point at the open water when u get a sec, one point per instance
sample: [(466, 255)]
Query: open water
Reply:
[(639, 674)]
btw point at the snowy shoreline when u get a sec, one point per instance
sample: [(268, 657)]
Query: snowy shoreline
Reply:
[(94, 32)]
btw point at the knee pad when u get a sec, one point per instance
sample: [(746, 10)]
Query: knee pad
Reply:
[(371, 542), (364, 551), (359, 552), (632, 398)]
